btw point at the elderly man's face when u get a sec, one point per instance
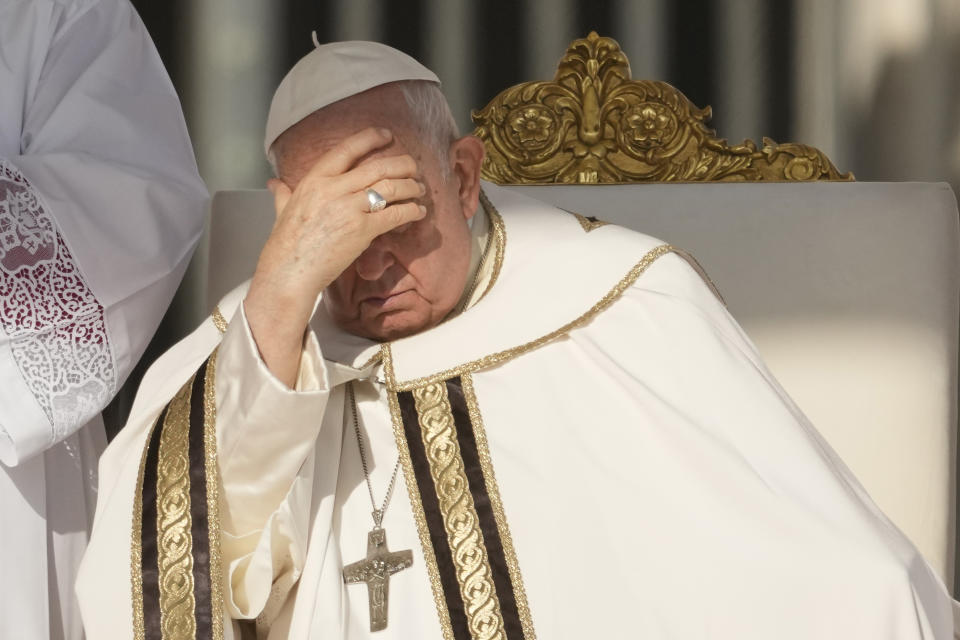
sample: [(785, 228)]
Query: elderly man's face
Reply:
[(410, 279)]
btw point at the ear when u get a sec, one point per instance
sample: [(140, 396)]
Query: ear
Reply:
[(466, 157)]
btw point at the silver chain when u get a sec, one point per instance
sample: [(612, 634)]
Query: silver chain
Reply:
[(376, 513)]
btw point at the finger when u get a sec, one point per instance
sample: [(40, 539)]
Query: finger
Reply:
[(281, 194), (378, 169), (349, 151), (393, 191), (395, 216)]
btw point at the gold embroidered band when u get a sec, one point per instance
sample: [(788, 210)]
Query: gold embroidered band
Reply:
[(175, 554), (218, 320), (470, 555)]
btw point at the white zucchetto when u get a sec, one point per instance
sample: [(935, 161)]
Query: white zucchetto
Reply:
[(335, 71)]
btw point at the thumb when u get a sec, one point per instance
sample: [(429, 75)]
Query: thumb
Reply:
[(281, 194)]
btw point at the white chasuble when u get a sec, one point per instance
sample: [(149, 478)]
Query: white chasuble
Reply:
[(592, 449), (100, 208)]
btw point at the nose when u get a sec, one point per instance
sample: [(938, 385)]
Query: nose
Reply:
[(375, 260)]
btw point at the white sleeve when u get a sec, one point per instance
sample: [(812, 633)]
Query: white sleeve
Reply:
[(99, 214), (266, 436)]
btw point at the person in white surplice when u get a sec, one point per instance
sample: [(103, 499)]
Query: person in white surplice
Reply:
[(100, 209), (499, 421)]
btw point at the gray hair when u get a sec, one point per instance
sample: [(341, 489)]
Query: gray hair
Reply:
[(431, 115), (430, 119)]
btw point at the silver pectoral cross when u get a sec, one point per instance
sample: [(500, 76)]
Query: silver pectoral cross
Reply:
[(375, 571)]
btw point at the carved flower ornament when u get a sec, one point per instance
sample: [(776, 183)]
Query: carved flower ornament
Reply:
[(647, 125), (532, 126)]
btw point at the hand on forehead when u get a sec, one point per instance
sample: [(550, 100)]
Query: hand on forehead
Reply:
[(363, 159), (396, 148), (329, 129)]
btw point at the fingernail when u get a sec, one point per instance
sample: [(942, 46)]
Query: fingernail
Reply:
[(423, 210), (423, 187), (385, 132)]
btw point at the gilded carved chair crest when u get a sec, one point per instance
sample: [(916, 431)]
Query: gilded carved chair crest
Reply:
[(594, 124)]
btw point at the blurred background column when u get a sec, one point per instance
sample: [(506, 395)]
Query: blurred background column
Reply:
[(450, 49), (643, 36), (357, 19), (900, 84), (232, 68), (552, 27), (817, 74), (740, 107)]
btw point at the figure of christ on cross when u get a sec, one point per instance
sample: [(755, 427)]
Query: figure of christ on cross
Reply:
[(375, 570)]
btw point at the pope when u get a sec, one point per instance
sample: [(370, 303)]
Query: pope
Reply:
[(559, 425)]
